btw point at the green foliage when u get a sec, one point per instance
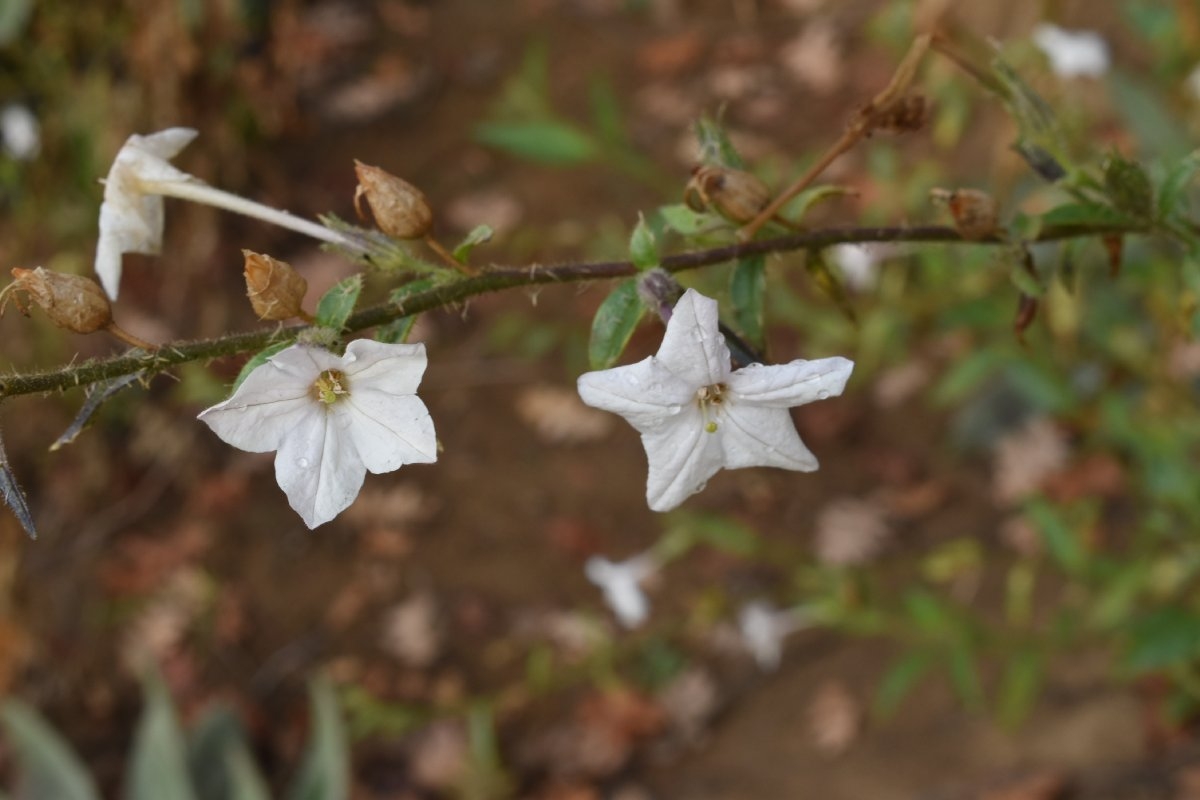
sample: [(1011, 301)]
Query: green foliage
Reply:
[(549, 142), (643, 247), (747, 292), (614, 324), (337, 304), (47, 766), (257, 360)]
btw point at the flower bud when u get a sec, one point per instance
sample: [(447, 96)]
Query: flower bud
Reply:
[(974, 212), (72, 302), (736, 195), (400, 208), (274, 288)]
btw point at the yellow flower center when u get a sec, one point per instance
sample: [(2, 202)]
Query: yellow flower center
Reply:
[(710, 398), (330, 386)]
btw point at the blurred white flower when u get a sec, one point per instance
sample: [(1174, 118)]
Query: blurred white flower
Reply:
[(850, 531), (1025, 458), (131, 217), (331, 419), (1072, 54), (696, 415), (764, 629), (20, 132), (858, 265), (621, 583)]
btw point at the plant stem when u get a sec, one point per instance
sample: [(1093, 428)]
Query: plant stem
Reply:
[(496, 279)]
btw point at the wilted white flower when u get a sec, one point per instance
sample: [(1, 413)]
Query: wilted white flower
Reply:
[(764, 628), (20, 132), (621, 583), (131, 217), (331, 419), (696, 415), (1072, 54)]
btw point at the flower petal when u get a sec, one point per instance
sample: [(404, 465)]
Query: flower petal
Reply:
[(693, 347), (394, 369), (318, 469), (389, 431), (682, 457), (644, 393), (753, 436), (792, 384)]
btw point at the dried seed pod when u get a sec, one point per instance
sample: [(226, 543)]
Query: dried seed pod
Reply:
[(736, 195), (72, 302), (274, 288), (975, 213), (905, 115), (400, 208)]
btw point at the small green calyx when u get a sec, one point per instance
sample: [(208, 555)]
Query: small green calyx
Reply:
[(330, 386)]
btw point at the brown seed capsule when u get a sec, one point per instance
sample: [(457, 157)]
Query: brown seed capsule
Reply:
[(274, 288), (400, 208), (974, 212), (905, 115), (72, 302), (736, 195)]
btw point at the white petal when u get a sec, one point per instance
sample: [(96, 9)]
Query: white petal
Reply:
[(389, 431), (165, 144), (682, 456), (394, 369), (621, 585), (319, 470), (644, 393), (792, 384), (753, 436), (1072, 53), (693, 347)]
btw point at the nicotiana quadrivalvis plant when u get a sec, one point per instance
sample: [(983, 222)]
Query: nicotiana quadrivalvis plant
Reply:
[(334, 407)]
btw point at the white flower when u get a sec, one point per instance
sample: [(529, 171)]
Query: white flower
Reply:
[(1072, 54), (858, 264), (697, 416), (621, 583), (19, 132), (764, 628), (331, 419), (131, 217)]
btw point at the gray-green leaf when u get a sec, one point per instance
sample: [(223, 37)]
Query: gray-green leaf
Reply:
[(544, 141), (158, 768), (46, 765), (336, 306), (325, 773), (614, 324), (747, 290)]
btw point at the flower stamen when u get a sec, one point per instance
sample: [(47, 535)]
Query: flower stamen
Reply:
[(330, 386), (710, 398)]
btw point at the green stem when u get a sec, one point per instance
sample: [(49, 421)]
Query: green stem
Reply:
[(492, 280)]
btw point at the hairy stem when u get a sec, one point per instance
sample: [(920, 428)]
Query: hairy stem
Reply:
[(496, 279)]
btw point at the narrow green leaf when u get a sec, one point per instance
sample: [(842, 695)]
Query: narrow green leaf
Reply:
[(606, 111), (257, 360), (643, 249), (928, 612), (1019, 687), (336, 306), (715, 147), (747, 292), (1173, 193), (1085, 214), (209, 743), (325, 773), (686, 222), (798, 207), (480, 234), (542, 141), (245, 781), (613, 325), (158, 768), (715, 530), (900, 679), (1027, 283), (1061, 542), (46, 766), (964, 676)]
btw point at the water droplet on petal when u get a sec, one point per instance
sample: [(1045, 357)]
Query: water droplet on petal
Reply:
[(823, 394), (674, 409), (702, 486), (632, 380), (302, 463)]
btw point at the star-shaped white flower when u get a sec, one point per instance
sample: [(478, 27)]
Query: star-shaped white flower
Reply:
[(696, 415), (621, 583), (1072, 54), (131, 217), (331, 419)]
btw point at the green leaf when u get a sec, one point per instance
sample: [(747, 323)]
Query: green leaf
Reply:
[(1147, 114), (14, 17), (1173, 193), (1128, 186), (325, 773), (1028, 284), (964, 676), (158, 768), (606, 111), (245, 781), (480, 234), (398, 329), (336, 306), (257, 360), (1085, 215), (799, 206), (715, 147), (1019, 687), (614, 323), (543, 141), (643, 249), (1164, 638), (900, 679), (1061, 542), (685, 221), (928, 612), (688, 529), (209, 742), (747, 291), (967, 375), (46, 766)]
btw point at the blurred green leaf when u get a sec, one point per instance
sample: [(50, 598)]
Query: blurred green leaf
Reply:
[(643, 249), (548, 142), (1147, 114), (158, 768), (46, 765), (964, 675), (1164, 638), (245, 781), (747, 292), (208, 744), (480, 234), (899, 680), (257, 360), (967, 375), (325, 773), (1128, 186), (1019, 686), (681, 219), (1173, 194), (715, 147), (928, 612), (606, 111), (1085, 214), (1027, 283), (14, 17), (337, 304), (614, 324), (1061, 541)]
